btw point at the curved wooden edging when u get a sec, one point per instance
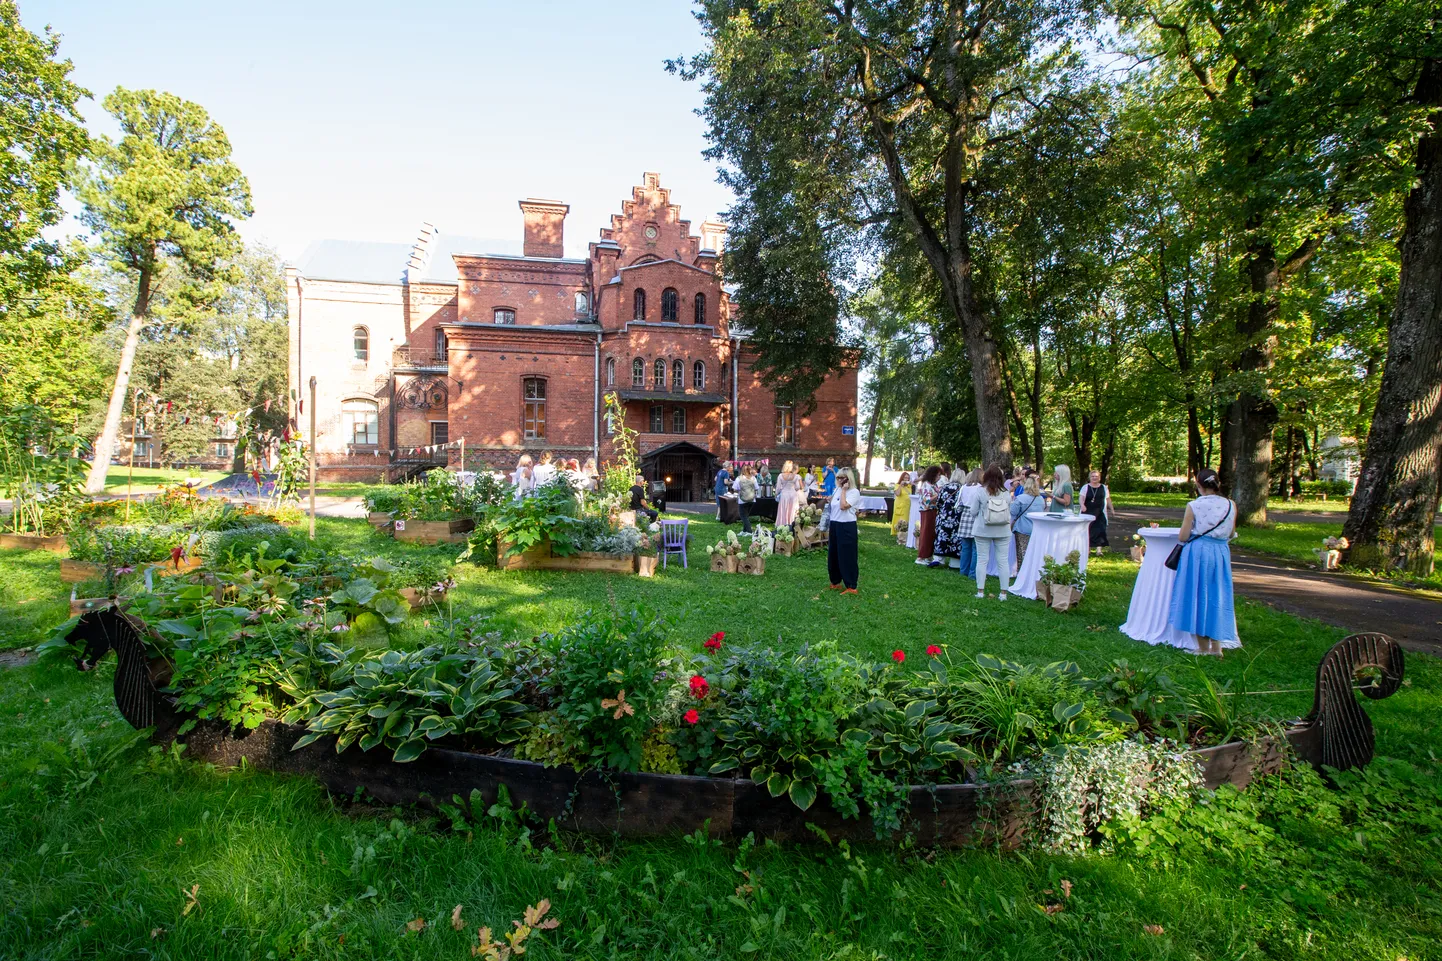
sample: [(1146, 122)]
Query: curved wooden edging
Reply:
[(643, 805)]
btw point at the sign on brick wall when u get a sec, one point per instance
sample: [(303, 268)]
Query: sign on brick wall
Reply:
[(848, 430)]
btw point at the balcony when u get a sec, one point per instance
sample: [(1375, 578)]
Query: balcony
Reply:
[(668, 394), (419, 357)]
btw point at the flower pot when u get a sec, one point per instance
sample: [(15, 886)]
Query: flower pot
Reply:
[(718, 563), (34, 542), (752, 565), (73, 572), (646, 564), (809, 537), (1064, 597), (785, 548), (1138, 553), (1328, 560), (733, 563)]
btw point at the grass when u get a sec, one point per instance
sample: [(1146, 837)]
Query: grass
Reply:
[(1305, 505), (32, 599), (150, 480), (1296, 541), (97, 852)]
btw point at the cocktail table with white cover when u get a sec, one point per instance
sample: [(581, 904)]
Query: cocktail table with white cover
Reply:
[(1051, 536), (913, 521), (1149, 617), (867, 502)]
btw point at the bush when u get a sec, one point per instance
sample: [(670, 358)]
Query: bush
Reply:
[(229, 545), (125, 546), (1331, 488)]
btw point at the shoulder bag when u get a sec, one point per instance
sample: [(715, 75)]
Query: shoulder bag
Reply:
[(1174, 559)]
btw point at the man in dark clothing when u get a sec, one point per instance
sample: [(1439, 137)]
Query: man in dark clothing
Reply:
[(638, 498)]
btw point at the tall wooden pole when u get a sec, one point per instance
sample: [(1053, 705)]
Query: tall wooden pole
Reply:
[(130, 476), (312, 458)]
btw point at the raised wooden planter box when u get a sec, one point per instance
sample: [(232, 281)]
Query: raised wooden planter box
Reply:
[(434, 532), (1337, 733), (185, 565), (379, 518), (73, 572), (35, 542), (540, 558)]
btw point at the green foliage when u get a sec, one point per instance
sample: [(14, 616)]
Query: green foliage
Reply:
[(122, 546), (607, 683), (547, 514), (403, 699), (38, 471), (369, 600)]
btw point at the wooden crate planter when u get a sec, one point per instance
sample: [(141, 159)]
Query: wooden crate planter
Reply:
[(540, 558), (1337, 734), (35, 542), (811, 538), (434, 532), (379, 518), (169, 568), (73, 572)]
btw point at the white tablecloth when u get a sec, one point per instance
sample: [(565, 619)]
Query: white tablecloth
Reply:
[(868, 503), (1148, 618), (1054, 537), (913, 521)]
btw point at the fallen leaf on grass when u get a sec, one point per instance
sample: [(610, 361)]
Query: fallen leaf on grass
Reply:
[(156, 933), (1066, 888), (417, 925), (1051, 908), (190, 899), (1154, 929), (179, 841), (456, 923)]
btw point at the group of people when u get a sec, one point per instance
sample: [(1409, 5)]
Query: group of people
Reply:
[(793, 488), (972, 519), (530, 474)]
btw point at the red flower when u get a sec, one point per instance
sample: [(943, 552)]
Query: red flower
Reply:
[(691, 716), (713, 643), (932, 651), (898, 656), (699, 687)]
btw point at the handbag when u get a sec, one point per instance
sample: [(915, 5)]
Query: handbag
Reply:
[(1174, 559)]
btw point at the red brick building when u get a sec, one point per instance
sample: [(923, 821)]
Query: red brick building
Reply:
[(436, 342)]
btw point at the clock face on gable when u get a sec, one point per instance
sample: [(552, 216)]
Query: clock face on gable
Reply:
[(650, 233)]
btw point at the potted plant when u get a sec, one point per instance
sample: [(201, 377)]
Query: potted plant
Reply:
[(646, 551), (808, 518), (1139, 547), (754, 560), (902, 529), (1061, 583), (725, 554), (784, 541)]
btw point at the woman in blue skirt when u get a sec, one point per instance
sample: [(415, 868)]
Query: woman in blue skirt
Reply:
[(1202, 592)]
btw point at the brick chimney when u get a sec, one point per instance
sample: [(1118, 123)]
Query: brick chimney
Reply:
[(545, 227)]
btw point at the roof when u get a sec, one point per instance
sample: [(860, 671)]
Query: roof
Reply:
[(361, 260), (675, 397), (376, 262), (678, 447), (668, 260)]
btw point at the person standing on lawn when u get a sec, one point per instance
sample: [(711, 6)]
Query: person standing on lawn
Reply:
[(1029, 498), (746, 486), (828, 478), (969, 501), (723, 484), (901, 507), (1062, 491), (1096, 501), (993, 531), (926, 497), (841, 543), (788, 495), (1202, 602)]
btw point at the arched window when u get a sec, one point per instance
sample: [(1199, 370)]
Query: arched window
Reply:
[(360, 421), (658, 420), (669, 305), (640, 301), (700, 308), (361, 340), (678, 420), (534, 407), (638, 373), (678, 376), (658, 374), (440, 346), (504, 315), (698, 375), (610, 372)]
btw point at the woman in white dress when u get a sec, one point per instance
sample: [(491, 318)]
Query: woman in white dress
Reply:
[(545, 470), (788, 490), (523, 479)]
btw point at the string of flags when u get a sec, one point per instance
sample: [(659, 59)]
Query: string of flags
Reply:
[(431, 449)]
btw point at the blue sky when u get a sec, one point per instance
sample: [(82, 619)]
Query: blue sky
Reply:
[(360, 119)]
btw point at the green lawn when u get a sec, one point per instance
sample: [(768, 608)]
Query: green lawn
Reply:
[(101, 838), (1314, 505), (1296, 541), (150, 480)]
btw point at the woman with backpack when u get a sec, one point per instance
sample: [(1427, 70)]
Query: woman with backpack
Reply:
[(993, 530)]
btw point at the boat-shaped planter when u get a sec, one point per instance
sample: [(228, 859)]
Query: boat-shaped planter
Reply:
[(1337, 734)]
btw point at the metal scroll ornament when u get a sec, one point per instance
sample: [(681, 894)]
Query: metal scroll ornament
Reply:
[(423, 394), (1374, 662)]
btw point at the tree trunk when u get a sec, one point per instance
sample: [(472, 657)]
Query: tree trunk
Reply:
[(105, 443), (1390, 523), (1253, 412), (1289, 462), (1036, 442), (871, 438)]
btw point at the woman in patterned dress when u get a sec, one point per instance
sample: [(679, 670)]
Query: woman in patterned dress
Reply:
[(948, 519)]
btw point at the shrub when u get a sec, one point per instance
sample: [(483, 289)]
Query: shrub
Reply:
[(125, 546)]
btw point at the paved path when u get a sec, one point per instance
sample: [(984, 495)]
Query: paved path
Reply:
[(1354, 604)]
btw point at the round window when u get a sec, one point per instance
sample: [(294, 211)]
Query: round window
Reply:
[(650, 233)]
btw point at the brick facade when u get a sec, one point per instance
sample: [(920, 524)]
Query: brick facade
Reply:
[(514, 356)]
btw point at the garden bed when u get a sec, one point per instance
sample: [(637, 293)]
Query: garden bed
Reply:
[(34, 542), (540, 558), (434, 532)]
